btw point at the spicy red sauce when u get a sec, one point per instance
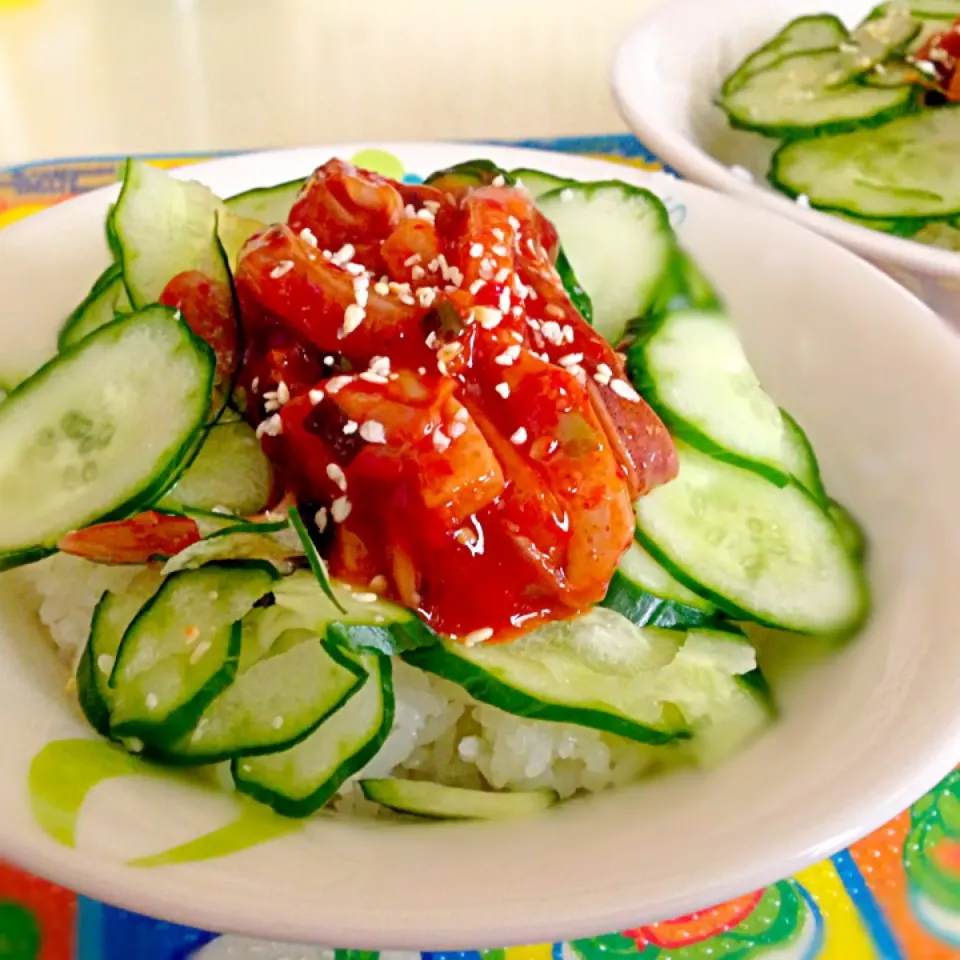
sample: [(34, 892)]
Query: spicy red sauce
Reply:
[(467, 444)]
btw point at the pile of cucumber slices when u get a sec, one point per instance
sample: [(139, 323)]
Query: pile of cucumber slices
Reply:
[(241, 649), (861, 136)]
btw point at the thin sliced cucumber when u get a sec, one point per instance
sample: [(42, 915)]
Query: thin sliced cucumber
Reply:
[(164, 227), (182, 648), (820, 31), (758, 551), (277, 702), (234, 231), (939, 9), (800, 459), (883, 35), (103, 303), (690, 366), (267, 204), (597, 670), (243, 542), (685, 288), (851, 533), (434, 801), (478, 172), (364, 623), (946, 236), (620, 245), (643, 592), (897, 170), (578, 296), (72, 444), (537, 183), (299, 781), (896, 73), (798, 97), (230, 472), (113, 614)]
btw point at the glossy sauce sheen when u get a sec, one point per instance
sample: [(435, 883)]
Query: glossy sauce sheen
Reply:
[(466, 443)]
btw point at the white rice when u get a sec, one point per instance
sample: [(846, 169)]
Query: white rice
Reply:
[(439, 733)]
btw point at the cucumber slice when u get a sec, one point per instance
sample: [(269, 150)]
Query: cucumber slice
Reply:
[(234, 231), (182, 648), (470, 173), (597, 670), (363, 623), (274, 704), (230, 472), (690, 367), (537, 183), (882, 35), (897, 170), (165, 226), (267, 204), (939, 9), (946, 236), (758, 551), (620, 245), (799, 96), (299, 781), (800, 459), (72, 444), (820, 31), (851, 533), (103, 303), (437, 802), (685, 288), (244, 542), (111, 617), (643, 592)]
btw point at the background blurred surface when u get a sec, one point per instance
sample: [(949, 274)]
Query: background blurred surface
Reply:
[(81, 77)]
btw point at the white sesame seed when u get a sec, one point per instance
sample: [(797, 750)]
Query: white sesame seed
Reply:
[(741, 173), (456, 429), (513, 221), (567, 333), (336, 474), (448, 352), (372, 431), (281, 269), (272, 426), (366, 597), (320, 519), (476, 250), (381, 288), (426, 214), (255, 384), (570, 359), (802, 200), (440, 440), (380, 366), (283, 393), (405, 298), (432, 340), (355, 270), (504, 302), (554, 310), (498, 181), (477, 286), (336, 384), (134, 744), (277, 723), (199, 651), (328, 361), (455, 277), (344, 255), (603, 374), (426, 296), (478, 636), (271, 405), (307, 236), (315, 396), (422, 371), (517, 312), (353, 316), (508, 356), (340, 509), (412, 260), (500, 250), (623, 389), (105, 663), (566, 195), (418, 273), (350, 427), (409, 210), (503, 390), (519, 436), (469, 748), (552, 332)]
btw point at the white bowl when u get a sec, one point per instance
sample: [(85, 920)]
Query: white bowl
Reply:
[(666, 77), (874, 377)]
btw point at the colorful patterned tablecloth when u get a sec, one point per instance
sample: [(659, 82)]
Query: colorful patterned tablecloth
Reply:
[(893, 896)]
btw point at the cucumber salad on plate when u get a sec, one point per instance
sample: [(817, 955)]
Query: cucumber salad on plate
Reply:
[(452, 499), (869, 118)]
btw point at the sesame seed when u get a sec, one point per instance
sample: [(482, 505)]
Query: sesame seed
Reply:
[(361, 293), (476, 250), (567, 333), (498, 233), (271, 405), (519, 436), (418, 273), (477, 286), (315, 396), (456, 429), (422, 371), (255, 384), (503, 390), (500, 250), (356, 270), (498, 181), (504, 302), (373, 432), (281, 269), (432, 340), (508, 356), (379, 583), (465, 536), (426, 296), (478, 636), (551, 332), (199, 651), (307, 236), (328, 361), (570, 359), (409, 210), (555, 310), (350, 427), (353, 316), (366, 597), (502, 274), (566, 195), (134, 744), (192, 633), (426, 214), (381, 288), (513, 221), (344, 255), (802, 200), (336, 384), (517, 312), (408, 300), (603, 374), (741, 173), (336, 474), (283, 393), (448, 352), (320, 519), (623, 389), (440, 440), (340, 509), (105, 663), (272, 427), (413, 259), (277, 723)]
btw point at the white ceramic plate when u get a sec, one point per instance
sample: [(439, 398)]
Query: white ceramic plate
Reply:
[(666, 77), (874, 378)]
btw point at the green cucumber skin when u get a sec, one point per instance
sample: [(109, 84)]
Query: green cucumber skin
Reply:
[(67, 338), (240, 203), (474, 173), (814, 486), (92, 703), (731, 609), (310, 805), (648, 610), (578, 296), (756, 684), (23, 558), (389, 640), (488, 689), (162, 753), (678, 426), (788, 133)]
